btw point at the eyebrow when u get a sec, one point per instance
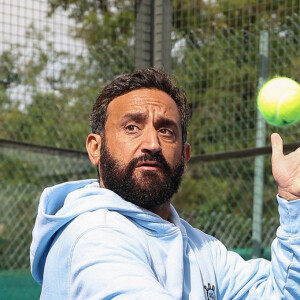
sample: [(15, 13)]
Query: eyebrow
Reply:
[(136, 117), (141, 117), (166, 122)]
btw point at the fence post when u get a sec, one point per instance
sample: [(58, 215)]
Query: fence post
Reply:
[(153, 34), (162, 27), (143, 33), (259, 160)]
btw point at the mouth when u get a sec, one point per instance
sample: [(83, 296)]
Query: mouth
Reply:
[(149, 165)]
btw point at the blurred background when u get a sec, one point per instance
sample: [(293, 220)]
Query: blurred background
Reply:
[(57, 55)]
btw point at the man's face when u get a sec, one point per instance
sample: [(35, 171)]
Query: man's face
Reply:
[(142, 156)]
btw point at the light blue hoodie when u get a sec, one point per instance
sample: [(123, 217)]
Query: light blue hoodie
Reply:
[(88, 243)]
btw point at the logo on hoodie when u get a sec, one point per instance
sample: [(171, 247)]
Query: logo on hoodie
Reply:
[(210, 292)]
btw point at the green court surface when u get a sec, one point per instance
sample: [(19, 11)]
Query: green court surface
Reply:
[(246, 253), (18, 285)]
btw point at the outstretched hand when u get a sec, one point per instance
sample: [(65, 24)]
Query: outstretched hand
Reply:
[(286, 169)]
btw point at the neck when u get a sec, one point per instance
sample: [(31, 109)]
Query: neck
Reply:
[(162, 210)]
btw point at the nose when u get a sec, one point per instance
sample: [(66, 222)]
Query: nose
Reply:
[(151, 143)]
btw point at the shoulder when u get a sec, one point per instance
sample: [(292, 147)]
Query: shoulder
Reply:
[(107, 237), (91, 241), (94, 233), (93, 222)]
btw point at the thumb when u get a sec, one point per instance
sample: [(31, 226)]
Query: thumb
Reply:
[(277, 146)]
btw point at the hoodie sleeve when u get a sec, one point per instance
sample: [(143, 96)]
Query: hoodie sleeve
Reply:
[(261, 279), (106, 263)]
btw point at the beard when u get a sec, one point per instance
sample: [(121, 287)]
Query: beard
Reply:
[(150, 189)]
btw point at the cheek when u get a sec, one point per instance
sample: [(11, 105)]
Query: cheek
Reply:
[(120, 148), (173, 154)]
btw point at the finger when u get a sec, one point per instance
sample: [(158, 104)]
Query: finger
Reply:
[(277, 145)]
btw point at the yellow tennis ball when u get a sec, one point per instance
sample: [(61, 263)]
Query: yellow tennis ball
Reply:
[(279, 101)]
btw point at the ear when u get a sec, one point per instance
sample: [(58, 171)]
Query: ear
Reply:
[(93, 145), (187, 152)]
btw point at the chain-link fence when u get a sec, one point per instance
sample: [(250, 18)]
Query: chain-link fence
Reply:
[(217, 57), (55, 56)]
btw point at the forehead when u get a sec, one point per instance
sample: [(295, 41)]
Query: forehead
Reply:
[(144, 101)]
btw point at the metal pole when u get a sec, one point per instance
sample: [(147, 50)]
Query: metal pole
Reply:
[(162, 27), (143, 33), (153, 34), (259, 160)]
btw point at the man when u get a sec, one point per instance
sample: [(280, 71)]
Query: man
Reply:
[(119, 236)]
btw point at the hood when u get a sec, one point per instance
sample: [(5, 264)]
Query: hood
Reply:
[(62, 203)]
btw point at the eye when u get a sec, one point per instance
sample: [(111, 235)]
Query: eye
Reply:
[(132, 128), (166, 132)]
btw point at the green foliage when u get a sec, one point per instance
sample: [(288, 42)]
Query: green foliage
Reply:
[(58, 88), (8, 71), (216, 60)]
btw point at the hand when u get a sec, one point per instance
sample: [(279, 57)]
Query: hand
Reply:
[(286, 169)]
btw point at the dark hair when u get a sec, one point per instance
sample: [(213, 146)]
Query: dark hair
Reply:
[(150, 78)]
